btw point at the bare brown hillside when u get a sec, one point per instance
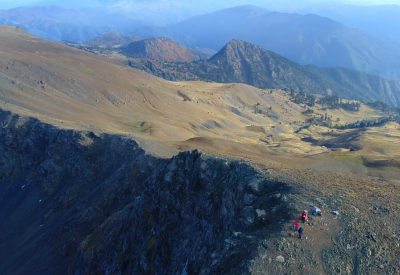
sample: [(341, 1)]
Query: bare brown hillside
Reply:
[(162, 49)]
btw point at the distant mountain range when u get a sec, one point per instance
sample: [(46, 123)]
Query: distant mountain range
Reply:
[(112, 39), (80, 25), (154, 31), (77, 25), (242, 62), (75, 16), (154, 12), (162, 49), (379, 20), (305, 39)]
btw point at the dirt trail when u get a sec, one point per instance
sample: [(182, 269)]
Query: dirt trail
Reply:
[(301, 256)]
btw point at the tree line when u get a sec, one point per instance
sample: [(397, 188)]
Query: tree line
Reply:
[(368, 123), (326, 101)]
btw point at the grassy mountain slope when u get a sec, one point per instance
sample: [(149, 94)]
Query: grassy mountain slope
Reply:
[(242, 62), (76, 89), (305, 39), (162, 49)]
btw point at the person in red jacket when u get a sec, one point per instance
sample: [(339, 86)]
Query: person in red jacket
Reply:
[(304, 216), (296, 226)]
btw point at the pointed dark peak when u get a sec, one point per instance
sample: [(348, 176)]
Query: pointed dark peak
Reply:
[(241, 49), (236, 45)]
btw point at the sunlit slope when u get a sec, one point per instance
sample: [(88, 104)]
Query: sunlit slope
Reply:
[(59, 84), (78, 90)]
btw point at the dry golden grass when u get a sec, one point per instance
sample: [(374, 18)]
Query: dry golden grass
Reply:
[(74, 89)]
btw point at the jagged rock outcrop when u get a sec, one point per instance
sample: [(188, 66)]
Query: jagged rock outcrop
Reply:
[(81, 202)]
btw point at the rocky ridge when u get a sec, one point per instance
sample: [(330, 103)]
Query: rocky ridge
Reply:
[(97, 203)]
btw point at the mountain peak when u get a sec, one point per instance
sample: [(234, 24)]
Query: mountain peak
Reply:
[(240, 43), (241, 50), (255, 10), (245, 48), (161, 49), (237, 41)]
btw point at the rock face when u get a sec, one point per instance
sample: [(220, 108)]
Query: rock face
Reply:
[(87, 203)]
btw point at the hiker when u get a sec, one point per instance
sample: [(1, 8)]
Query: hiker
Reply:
[(300, 232), (304, 216), (317, 211), (296, 226)]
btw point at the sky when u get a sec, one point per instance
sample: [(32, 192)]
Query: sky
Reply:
[(7, 4)]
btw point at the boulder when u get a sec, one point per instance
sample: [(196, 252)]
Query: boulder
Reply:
[(249, 199), (280, 259), (261, 213), (257, 187), (248, 215)]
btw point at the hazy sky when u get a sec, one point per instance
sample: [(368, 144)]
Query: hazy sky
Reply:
[(7, 4)]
